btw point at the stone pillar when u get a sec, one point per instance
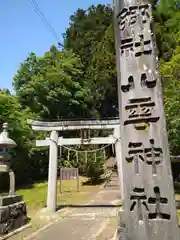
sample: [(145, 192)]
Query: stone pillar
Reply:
[(119, 158), (149, 202), (52, 176)]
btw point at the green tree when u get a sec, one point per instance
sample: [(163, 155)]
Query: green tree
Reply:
[(171, 74), (102, 72), (167, 24), (52, 86), (12, 113), (28, 162), (87, 28), (90, 36)]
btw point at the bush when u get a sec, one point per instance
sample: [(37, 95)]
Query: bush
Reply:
[(95, 166)]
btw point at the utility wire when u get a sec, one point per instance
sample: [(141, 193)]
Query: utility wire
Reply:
[(45, 21)]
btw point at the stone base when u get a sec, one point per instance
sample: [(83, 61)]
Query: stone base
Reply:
[(121, 233), (13, 213)]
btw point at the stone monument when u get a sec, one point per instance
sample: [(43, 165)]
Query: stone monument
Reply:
[(12, 207), (149, 210)]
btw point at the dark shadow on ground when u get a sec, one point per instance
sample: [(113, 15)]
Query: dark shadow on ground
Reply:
[(112, 185), (94, 183), (60, 207)]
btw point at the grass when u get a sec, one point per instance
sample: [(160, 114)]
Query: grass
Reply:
[(178, 214), (35, 197)]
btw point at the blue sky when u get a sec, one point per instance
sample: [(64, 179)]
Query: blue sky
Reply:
[(22, 30)]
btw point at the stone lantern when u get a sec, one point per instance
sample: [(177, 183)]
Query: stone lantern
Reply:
[(12, 208), (5, 144)]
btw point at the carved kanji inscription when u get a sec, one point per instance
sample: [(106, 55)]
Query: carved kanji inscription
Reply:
[(151, 155), (139, 200), (158, 201), (140, 112)]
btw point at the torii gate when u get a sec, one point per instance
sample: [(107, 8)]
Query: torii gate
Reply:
[(54, 141)]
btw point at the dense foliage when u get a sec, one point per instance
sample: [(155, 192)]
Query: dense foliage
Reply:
[(52, 86), (80, 81)]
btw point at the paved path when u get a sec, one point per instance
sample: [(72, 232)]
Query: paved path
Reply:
[(87, 221)]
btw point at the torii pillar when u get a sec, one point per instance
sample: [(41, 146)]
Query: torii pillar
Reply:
[(52, 175)]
